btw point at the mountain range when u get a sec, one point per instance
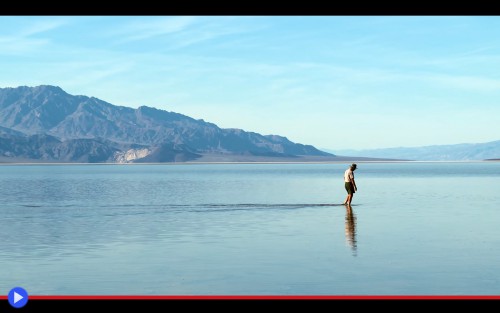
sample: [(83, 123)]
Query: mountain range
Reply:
[(46, 124), (456, 152)]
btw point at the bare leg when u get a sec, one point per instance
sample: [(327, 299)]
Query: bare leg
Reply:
[(350, 199)]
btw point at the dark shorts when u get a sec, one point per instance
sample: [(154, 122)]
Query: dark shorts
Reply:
[(350, 188)]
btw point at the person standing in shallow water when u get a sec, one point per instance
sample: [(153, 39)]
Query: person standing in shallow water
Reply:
[(350, 183)]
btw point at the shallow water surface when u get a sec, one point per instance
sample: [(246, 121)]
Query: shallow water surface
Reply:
[(250, 229)]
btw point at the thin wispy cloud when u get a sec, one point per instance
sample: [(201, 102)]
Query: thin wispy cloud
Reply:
[(210, 30), (41, 26), (20, 45), (151, 28), (24, 39), (468, 83), (177, 32)]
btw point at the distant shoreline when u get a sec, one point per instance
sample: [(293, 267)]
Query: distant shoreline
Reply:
[(244, 159), (228, 162)]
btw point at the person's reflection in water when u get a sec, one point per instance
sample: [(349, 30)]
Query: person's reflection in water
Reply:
[(350, 229)]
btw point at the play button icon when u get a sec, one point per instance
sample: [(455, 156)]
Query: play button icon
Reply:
[(18, 297)]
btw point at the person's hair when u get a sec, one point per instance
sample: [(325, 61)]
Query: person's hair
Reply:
[(353, 166)]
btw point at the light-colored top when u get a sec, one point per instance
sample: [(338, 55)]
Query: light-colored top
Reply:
[(348, 175)]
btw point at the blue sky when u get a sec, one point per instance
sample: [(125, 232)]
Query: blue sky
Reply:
[(336, 82)]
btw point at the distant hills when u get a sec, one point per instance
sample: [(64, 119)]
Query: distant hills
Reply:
[(457, 152), (46, 124)]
